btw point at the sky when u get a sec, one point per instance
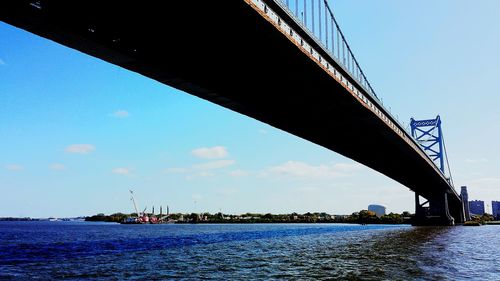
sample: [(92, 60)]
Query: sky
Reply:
[(77, 133)]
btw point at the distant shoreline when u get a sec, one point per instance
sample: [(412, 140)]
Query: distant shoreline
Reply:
[(194, 223), (214, 223), (41, 219), (361, 217)]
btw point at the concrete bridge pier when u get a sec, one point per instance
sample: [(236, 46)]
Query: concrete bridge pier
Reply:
[(434, 211)]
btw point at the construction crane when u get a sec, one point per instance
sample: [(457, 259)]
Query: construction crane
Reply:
[(133, 201)]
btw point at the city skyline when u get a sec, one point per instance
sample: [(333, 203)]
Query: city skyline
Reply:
[(78, 133)]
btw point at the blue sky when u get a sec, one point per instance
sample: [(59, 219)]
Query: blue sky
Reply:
[(77, 133)]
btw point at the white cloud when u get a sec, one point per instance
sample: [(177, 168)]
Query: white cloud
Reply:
[(302, 170), (120, 114), (80, 148), (122, 171), (347, 167), (239, 173), (57, 167), (210, 152), (214, 165), (201, 170), (14, 167)]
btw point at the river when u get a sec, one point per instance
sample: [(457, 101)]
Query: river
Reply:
[(104, 251)]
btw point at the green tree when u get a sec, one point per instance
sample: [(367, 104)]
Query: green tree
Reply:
[(487, 217), (391, 218), (406, 214), (268, 216), (194, 217), (366, 216)]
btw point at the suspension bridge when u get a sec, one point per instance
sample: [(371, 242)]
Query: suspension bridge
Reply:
[(285, 63)]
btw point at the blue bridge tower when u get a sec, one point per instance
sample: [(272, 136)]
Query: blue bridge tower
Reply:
[(434, 211), (429, 135)]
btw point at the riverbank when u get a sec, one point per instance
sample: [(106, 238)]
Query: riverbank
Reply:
[(361, 217), (41, 219)]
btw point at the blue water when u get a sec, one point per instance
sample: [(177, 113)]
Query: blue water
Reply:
[(103, 251)]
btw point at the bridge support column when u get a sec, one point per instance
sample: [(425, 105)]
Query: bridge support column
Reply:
[(435, 213), (458, 213)]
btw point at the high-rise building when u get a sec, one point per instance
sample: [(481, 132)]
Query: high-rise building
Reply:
[(465, 201), (495, 206), (476, 207), (379, 210)]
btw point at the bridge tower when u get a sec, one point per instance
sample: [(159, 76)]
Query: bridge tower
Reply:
[(429, 135), (434, 211)]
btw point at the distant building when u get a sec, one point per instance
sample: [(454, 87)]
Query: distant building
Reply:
[(495, 206), (465, 201), (377, 209), (476, 207)]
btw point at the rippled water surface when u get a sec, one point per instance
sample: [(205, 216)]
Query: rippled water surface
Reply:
[(72, 251)]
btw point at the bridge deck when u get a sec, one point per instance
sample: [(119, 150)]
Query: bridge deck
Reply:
[(227, 53)]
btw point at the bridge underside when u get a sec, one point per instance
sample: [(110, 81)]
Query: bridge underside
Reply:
[(227, 53)]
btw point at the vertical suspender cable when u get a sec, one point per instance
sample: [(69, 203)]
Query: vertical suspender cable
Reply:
[(447, 162), (305, 13), (326, 29), (333, 37), (352, 62), (349, 60), (312, 15), (338, 43), (319, 18), (326, 26), (343, 51)]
